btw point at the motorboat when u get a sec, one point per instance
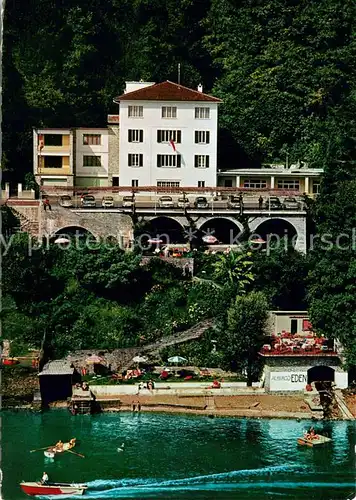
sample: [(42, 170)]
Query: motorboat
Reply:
[(34, 489)]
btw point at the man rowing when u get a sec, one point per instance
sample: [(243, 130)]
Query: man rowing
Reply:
[(59, 446)]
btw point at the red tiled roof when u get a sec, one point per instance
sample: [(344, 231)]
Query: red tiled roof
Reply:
[(166, 91)]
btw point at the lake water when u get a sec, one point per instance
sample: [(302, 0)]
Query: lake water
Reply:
[(179, 457)]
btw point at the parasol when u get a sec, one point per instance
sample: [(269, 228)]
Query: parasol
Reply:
[(94, 360)]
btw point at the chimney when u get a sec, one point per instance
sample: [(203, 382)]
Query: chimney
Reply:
[(132, 86), (200, 87)]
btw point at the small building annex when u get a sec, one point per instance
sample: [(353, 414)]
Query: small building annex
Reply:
[(296, 357)]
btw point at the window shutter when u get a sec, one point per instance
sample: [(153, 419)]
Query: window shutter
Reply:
[(207, 137), (141, 135), (178, 161), (141, 160), (196, 137), (159, 161), (207, 161), (196, 161), (129, 160), (159, 138), (130, 135), (179, 136)]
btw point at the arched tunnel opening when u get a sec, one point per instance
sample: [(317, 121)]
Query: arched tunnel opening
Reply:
[(166, 229), (71, 233), (224, 230), (277, 231)]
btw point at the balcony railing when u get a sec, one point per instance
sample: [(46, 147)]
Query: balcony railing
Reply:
[(54, 171)]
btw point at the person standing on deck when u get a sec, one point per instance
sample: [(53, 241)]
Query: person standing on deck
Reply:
[(45, 478)]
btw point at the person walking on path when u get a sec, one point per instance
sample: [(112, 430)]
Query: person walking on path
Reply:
[(260, 202), (46, 204)]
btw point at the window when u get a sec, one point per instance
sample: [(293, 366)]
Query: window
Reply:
[(169, 112), (316, 187), (135, 135), (169, 135), (52, 162), (135, 111), (255, 183), (91, 161), (53, 139), (201, 184), (201, 161), (202, 137), (92, 139), (288, 184), (135, 160), (115, 181), (168, 184), (168, 161), (134, 183), (202, 112), (228, 183)]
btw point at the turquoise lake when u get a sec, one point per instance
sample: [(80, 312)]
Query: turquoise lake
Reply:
[(179, 457)]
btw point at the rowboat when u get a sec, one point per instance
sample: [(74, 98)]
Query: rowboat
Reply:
[(53, 450), (38, 489), (10, 361), (316, 440)]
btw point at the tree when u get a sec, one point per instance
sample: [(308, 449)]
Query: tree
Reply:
[(233, 269), (286, 76), (332, 289), (282, 277), (8, 221), (247, 321)]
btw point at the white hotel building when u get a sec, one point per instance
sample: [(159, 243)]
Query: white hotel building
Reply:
[(168, 136)]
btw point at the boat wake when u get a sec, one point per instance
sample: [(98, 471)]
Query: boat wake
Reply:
[(225, 481)]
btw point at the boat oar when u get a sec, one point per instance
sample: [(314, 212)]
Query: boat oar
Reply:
[(75, 453), (44, 448)]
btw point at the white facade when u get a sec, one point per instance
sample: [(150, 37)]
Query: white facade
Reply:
[(92, 156), (190, 172)]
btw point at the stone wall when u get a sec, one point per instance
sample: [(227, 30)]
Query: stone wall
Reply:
[(100, 224), (114, 149)]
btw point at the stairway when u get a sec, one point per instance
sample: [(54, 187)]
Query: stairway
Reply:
[(210, 403), (26, 225), (345, 412), (153, 349)]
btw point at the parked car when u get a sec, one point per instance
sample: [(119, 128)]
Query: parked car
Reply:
[(65, 201), (107, 202), (290, 203), (128, 201), (274, 203), (233, 202), (165, 202), (201, 202), (183, 203), (88, 201)]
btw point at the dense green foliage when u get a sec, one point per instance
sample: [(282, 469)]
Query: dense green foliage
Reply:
[(285, 70), (105, 298), (246, 321), (332, 288)]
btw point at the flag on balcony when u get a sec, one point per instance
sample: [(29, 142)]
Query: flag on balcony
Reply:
[(171, 142), (40, 142)]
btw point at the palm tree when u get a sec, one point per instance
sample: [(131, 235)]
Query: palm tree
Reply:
[(231, 269)]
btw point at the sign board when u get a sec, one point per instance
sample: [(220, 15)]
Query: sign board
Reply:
[(113, 118), (288, 381)]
